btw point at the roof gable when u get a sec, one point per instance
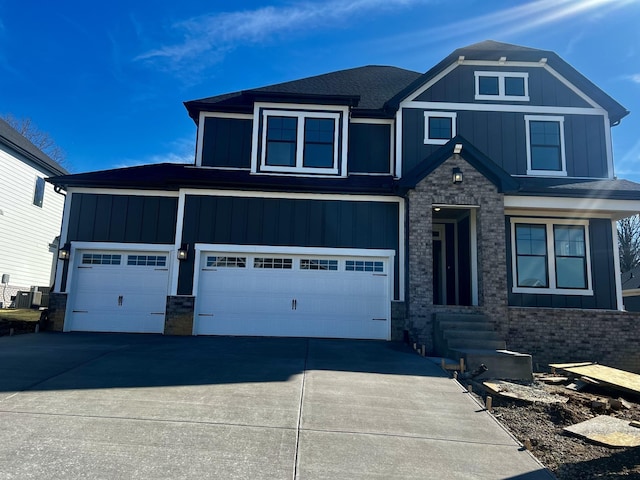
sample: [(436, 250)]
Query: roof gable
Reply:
[(490, 50), (478, 160)]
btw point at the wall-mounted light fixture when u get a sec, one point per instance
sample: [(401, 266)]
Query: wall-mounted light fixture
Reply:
[(457, 148), (64, 252), (457, 175), (183, 251)]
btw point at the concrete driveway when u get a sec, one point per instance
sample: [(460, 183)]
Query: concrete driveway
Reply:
[(112, 406)]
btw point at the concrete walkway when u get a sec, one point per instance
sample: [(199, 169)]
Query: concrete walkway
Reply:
[(112, 406)]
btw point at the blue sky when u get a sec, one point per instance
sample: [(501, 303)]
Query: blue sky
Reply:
[(107, 81)]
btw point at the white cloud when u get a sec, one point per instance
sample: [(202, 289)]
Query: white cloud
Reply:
[(178, 151), (635, 78), (208, 38)]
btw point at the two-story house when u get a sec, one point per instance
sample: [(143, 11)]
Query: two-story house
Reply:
[(359, 203), (30, 215)]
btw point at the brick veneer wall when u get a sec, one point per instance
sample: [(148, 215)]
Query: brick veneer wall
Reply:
[(57, 308), (179, 315), (553, 335), (475, 190)]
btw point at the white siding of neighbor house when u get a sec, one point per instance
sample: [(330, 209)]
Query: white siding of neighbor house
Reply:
[(26, 230)]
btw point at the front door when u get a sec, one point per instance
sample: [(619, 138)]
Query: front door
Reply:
[(452, 259)]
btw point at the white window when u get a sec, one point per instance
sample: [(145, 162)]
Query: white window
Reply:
[(364, 266), (545, 145), (502, 86), (227, 262), (297, 141), (100, 259), (439, 127), (147, 260), (551, 256)]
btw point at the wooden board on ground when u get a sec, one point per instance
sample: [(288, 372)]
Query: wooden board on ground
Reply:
[(607, 376), (608, 431), (524, 393)]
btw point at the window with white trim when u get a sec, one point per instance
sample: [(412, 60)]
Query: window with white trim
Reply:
[(274, 263), (300, 141), (364, 266), (502, 86), (545, 145), (439, 127), (551, 256), (319, 264)]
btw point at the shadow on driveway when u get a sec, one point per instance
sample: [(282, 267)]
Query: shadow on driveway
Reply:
[(58, 361)]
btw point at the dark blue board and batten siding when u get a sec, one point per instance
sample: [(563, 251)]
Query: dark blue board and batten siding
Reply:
[(369, 148), (227, 142), (544, 89), (121, 219), (502, 137), (287, 222), (602, 275)]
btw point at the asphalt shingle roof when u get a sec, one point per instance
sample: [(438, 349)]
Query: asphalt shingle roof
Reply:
[(10, 137)]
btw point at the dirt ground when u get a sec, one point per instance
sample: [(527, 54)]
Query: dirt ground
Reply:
[(539, 427)]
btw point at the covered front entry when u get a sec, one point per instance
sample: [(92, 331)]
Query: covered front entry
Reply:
[(453, 255), (118, 291), (274, 293)]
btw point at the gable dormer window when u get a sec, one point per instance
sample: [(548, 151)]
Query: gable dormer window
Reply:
[(502, 86), (300, 142)]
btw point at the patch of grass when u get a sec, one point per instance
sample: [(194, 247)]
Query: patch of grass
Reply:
[(20, 314)]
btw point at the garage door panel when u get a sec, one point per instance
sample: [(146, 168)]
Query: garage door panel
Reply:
[(313, 297), (119, 296)]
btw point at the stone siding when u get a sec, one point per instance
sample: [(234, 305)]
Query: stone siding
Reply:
[(475, 192), (179, 315), (57, 309), (398, 320), (553, 335)]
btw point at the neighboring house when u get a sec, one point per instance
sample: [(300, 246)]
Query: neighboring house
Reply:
[(359, 203), (30, 214), (631, 289)]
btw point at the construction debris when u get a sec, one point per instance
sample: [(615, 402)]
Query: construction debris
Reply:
[(602, 375), (525, 393), (608, 431)]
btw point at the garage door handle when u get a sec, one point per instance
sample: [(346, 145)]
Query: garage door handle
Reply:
[(294, 304), (379, 319), (156, 313), (119, 300), (80, 311)]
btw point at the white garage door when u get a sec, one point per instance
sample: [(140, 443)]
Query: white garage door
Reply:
[(119, 292), (293, 296)]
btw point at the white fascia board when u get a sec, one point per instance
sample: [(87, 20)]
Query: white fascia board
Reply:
[(573, 206), (124, 191), (494, 107), (373, 121), (301, 196), (398, 144), (173, 280), (608, 144)]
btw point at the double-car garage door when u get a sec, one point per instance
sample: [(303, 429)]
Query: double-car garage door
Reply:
[(293, 295), (263, 294)]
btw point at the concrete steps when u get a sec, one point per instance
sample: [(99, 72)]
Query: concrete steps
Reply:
[(473, 337)]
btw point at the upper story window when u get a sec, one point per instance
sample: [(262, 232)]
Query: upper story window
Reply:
[(300, 141), (502, 86), (38, 192), (439, 127), (545, 145)]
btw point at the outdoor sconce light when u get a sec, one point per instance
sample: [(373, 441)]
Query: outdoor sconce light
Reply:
[(64, 252), (457, 148), (457, 175), (183, 251)]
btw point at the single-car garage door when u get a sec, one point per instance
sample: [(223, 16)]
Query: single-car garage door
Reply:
[(119, 292), (293, 295)]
